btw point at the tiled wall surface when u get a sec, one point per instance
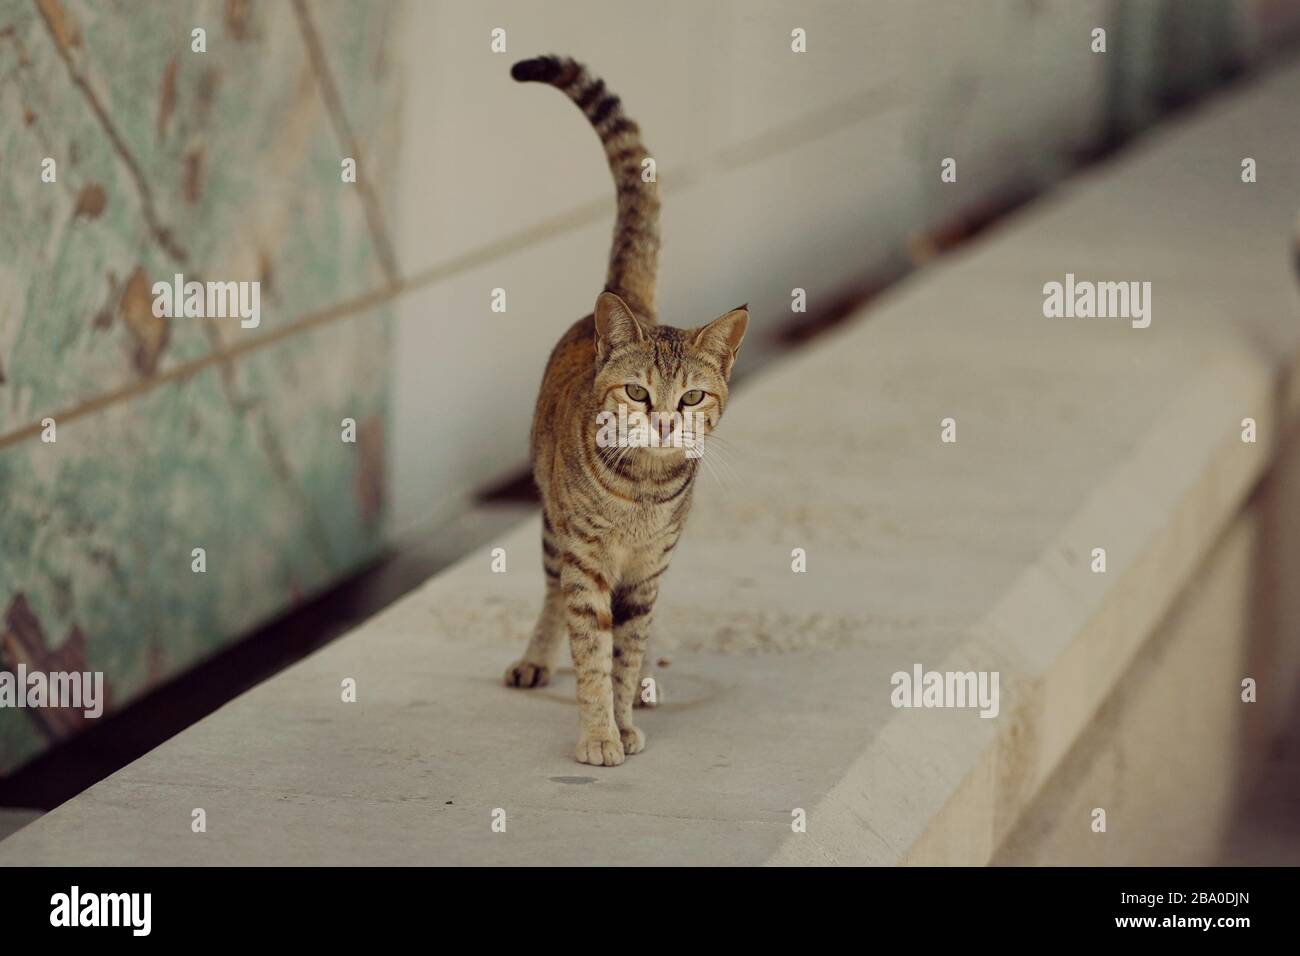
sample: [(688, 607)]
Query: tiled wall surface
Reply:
[(179, 433)]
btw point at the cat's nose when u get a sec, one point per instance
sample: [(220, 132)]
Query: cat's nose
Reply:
[(665, 425)]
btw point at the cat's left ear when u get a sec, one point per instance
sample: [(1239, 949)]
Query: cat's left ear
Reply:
[(723, 335), (616, 325)]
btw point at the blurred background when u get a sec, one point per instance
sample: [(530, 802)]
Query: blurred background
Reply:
[(815, 172)]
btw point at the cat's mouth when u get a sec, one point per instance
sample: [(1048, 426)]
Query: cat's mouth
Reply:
[(676, 447), (663, 434)]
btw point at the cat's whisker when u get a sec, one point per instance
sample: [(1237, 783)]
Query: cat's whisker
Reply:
[(722, 466), (718, 441), (711, 444), (707, 462)]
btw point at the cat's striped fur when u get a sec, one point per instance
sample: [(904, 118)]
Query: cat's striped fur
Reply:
[(611, 517), (634, 256)]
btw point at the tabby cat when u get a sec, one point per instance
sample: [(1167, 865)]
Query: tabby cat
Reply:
[(611, 515)]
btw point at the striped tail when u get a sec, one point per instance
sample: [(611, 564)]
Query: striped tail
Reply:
[(634, 255)]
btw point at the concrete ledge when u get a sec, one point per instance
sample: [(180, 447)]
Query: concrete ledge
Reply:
[(1072, 434), (1187, 773)]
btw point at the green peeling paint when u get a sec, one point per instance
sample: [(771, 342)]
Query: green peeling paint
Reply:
[(230, 160)]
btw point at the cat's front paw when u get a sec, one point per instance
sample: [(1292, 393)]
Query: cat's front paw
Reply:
[(599, 751), (527, 674), (633, 740)]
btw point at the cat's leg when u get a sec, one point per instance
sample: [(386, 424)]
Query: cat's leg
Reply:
[(534, 669), (591, 640), (632, 606)]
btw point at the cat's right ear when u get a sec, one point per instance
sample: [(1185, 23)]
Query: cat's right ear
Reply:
[(615, 325)]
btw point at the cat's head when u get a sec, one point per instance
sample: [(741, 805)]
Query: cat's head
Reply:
[(680, 374)]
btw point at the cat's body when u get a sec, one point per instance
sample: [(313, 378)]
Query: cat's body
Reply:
[(612, 515)]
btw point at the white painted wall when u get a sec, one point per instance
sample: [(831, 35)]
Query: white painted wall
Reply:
[(779, 170)]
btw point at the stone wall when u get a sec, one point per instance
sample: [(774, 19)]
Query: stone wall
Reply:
[(171, 434)]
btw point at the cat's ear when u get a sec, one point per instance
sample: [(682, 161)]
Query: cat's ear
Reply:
[(615, 324), (722, 336)]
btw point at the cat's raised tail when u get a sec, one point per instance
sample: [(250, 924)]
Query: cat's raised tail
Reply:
[(634, 255)]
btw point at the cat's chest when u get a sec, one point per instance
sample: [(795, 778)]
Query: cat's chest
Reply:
[(632, 526)]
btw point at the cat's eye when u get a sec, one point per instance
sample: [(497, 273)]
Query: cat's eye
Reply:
[(637, 393), (693, 397)]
